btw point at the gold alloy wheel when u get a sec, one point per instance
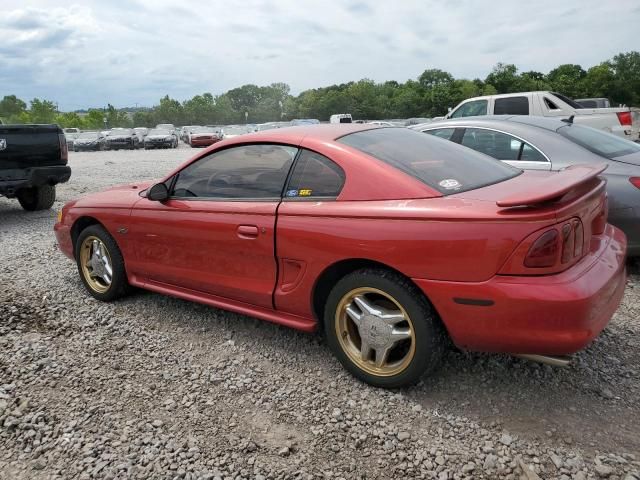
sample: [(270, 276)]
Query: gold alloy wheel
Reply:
[(375, 331), (96, 265)]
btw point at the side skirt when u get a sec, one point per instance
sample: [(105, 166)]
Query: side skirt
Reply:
[(280, 318)]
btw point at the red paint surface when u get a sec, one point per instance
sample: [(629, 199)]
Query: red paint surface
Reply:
[(463, 245)]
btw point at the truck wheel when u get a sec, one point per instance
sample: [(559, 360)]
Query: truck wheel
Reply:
[(37, 198), (382, 328)]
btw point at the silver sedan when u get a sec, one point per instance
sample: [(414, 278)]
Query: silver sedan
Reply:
[(541, 143)]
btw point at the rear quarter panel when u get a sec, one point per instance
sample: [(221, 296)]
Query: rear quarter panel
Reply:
[(440, 238)]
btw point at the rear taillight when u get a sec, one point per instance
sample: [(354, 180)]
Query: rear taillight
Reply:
[(544, 251), (635, 181), (600, 221), (64, 151), (572, 240), (564, 243), (624, 118)]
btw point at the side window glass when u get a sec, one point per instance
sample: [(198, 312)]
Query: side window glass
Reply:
[(550, 105), (249, 172), (511, 106), (495, 144), (471, 109), (315, 176), (445, 133), (530, 154)]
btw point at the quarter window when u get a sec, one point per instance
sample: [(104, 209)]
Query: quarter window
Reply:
[(471, 109), (315, 176), (550, 105), (511, 106), (250, 171), (500, 145)]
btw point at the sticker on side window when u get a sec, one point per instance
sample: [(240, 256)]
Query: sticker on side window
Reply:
[(450, 184), (292, 193), (304, 192)]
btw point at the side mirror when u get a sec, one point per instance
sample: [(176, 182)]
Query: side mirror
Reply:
[(158, 193)]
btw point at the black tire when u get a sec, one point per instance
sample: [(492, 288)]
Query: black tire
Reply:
[(37, 198), (430, 338), (119, 286)]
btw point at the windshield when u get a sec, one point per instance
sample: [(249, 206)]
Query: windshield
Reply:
[(89, 135), (444, 166), (159, 131), (599, 142), (120, 131)]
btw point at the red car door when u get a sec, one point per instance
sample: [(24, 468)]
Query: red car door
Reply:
[(215, 234)]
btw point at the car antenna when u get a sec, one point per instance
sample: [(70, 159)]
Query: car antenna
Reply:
[(569, 120)]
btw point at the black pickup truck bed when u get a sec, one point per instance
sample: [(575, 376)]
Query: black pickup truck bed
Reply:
[(33, 159)]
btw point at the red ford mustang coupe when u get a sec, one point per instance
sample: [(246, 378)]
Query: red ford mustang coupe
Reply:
[(387, 239)]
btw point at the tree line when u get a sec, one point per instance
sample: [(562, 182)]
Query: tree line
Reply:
[(427, 96)]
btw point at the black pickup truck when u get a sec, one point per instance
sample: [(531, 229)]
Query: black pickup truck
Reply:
[(33, 160)]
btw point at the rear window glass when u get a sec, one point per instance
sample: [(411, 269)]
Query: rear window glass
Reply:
[(601, 143), (443, 165)]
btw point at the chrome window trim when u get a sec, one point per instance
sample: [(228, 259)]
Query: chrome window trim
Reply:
[(498, 131)]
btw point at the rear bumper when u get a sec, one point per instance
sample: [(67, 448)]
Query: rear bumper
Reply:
[(551, 315), (13, 180)]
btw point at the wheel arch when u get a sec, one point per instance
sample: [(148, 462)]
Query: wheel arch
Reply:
[(334, 272), (79, 225)]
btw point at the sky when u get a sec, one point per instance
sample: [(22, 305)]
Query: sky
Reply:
[(133, 52)]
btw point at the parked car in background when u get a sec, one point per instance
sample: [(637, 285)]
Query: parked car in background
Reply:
[(291, 226), (142, 132), (70, 137), (304, 121), (71, 130), (204, 136), (166, 126), (160, 138), (231, 131), (341, 118), (184, 132), (619, 121), (121, 138), (90, 141), (593, 102), (33, 160), (537, 143), (381, 123)]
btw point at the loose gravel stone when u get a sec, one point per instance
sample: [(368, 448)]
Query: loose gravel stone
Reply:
[(151, 387)]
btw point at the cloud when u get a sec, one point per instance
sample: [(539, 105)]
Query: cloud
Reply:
[(125, 52)]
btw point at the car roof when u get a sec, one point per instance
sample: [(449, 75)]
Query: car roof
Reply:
[(295, 134), (497, 121)]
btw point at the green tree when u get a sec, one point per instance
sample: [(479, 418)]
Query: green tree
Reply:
[(69, 119), (11, 107), (42, 111), (504, 78), (626, 85), (567, 79)]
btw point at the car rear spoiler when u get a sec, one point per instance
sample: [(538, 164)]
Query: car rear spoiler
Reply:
[(555, 186)]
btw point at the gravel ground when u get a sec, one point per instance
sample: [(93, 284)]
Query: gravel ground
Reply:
[(155, 387)]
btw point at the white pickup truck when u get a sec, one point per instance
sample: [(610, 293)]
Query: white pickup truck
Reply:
[(622, 121)]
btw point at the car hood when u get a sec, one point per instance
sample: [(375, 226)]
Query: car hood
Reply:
[(117, 196), (86, 140), (158, 137), (119, 137)]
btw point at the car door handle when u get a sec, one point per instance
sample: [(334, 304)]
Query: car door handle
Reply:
[(247, 231)]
